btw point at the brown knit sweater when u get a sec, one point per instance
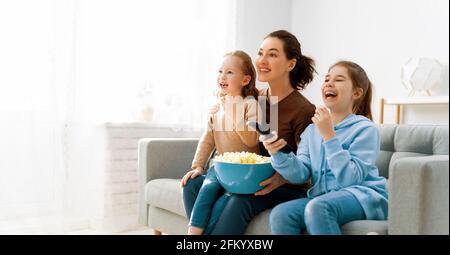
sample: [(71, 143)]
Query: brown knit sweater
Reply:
[(227, 133), (294, 115)]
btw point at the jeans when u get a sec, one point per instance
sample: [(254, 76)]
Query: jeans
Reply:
[(232, 213), (207, 195), (321, 215)]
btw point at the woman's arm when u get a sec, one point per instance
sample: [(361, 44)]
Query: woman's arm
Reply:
[(351, 166)]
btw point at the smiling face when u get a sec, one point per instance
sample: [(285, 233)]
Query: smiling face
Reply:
[(338, 92), (231, 79), (271, 62)]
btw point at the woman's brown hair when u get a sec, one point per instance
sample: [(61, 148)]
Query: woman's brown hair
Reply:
[(248, 69), (362, 106), (303, 72)]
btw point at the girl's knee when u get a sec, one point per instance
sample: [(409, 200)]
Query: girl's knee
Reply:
[(315, 209), (193, 185), (282, 214), (281, 221), (278, 215)]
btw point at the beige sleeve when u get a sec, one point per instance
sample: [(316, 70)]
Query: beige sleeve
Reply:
[(249, 137), (204, 148)]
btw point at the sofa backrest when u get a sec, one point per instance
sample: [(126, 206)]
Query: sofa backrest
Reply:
[(399, 141)]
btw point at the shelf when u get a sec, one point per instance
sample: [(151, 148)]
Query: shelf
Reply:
[(409, 101), (416, 100)]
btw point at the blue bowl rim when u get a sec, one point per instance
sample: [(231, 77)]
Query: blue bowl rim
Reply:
[(232, 163)]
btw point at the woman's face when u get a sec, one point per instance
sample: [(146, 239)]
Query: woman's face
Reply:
[(231, 79), (337, 90), (271, 62)]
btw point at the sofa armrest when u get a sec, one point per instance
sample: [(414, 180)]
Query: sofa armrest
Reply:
[(162, 158), (419, 195)]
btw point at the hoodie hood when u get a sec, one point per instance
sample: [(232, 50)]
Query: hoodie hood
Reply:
[(352, 119)]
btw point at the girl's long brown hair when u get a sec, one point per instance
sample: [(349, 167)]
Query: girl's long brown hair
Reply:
[(248, 69), (362, 106)]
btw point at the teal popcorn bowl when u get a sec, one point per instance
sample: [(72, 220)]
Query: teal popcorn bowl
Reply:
[(242, 178)]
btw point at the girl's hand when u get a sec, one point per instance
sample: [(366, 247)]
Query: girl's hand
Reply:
[(323, 122), (270, 184), (191, 175), (271, 144), (274, 147), (214, 109)]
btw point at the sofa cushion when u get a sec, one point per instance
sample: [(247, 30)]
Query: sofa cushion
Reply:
[(364, 227), (166, 194), (440, 141), (419, 139), (387, 133), (260, 226)]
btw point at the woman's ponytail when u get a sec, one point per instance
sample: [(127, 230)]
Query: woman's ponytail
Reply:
[(303, 72)]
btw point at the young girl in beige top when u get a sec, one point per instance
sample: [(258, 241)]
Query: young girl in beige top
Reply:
[(226, 132)]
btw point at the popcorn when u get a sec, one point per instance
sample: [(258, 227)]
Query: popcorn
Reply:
[(242, 158)]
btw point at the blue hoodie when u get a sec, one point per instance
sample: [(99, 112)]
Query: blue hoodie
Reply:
[(345, 162)]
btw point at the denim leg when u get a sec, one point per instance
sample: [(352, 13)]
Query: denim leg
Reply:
[(190, 193), (238, 210), (209, 192), (324, 214), (288, 218), (220, 203)]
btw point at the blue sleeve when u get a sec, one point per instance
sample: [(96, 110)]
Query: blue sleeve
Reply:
[(351, 166), (295, 169)]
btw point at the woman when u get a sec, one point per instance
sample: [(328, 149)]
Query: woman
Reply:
[(281, 64)]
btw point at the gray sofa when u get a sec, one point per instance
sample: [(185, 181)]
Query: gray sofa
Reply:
[(414, 158)]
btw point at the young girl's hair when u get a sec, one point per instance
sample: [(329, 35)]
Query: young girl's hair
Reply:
[(303, 72), (362, 106), (248, 69)]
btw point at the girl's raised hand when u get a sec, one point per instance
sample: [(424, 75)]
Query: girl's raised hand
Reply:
[(214, 108), (322, 120)]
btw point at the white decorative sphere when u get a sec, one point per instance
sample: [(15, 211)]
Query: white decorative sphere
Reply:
[(420, 74)]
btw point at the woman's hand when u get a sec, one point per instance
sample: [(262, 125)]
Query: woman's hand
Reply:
[(191, 175), (270, 184), (323, 122)]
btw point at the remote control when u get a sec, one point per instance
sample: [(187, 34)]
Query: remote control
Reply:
[(266, 132)]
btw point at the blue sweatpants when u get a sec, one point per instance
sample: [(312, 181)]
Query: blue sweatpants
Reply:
[(321, 215)]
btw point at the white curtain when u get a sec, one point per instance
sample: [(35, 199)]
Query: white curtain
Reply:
[(67, 66)]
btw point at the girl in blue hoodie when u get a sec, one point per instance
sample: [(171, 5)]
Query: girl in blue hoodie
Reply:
[(338, 153)]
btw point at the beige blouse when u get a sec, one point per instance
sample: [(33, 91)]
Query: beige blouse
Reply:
[(227, 130)]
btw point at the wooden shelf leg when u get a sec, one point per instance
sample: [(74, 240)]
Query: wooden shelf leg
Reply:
[(381, 110), (398, 114)]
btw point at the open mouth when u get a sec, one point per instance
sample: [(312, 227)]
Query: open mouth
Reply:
[(330, 94), (223, 85)]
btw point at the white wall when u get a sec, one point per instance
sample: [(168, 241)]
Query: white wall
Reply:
[(380, 35), (256, 19)]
